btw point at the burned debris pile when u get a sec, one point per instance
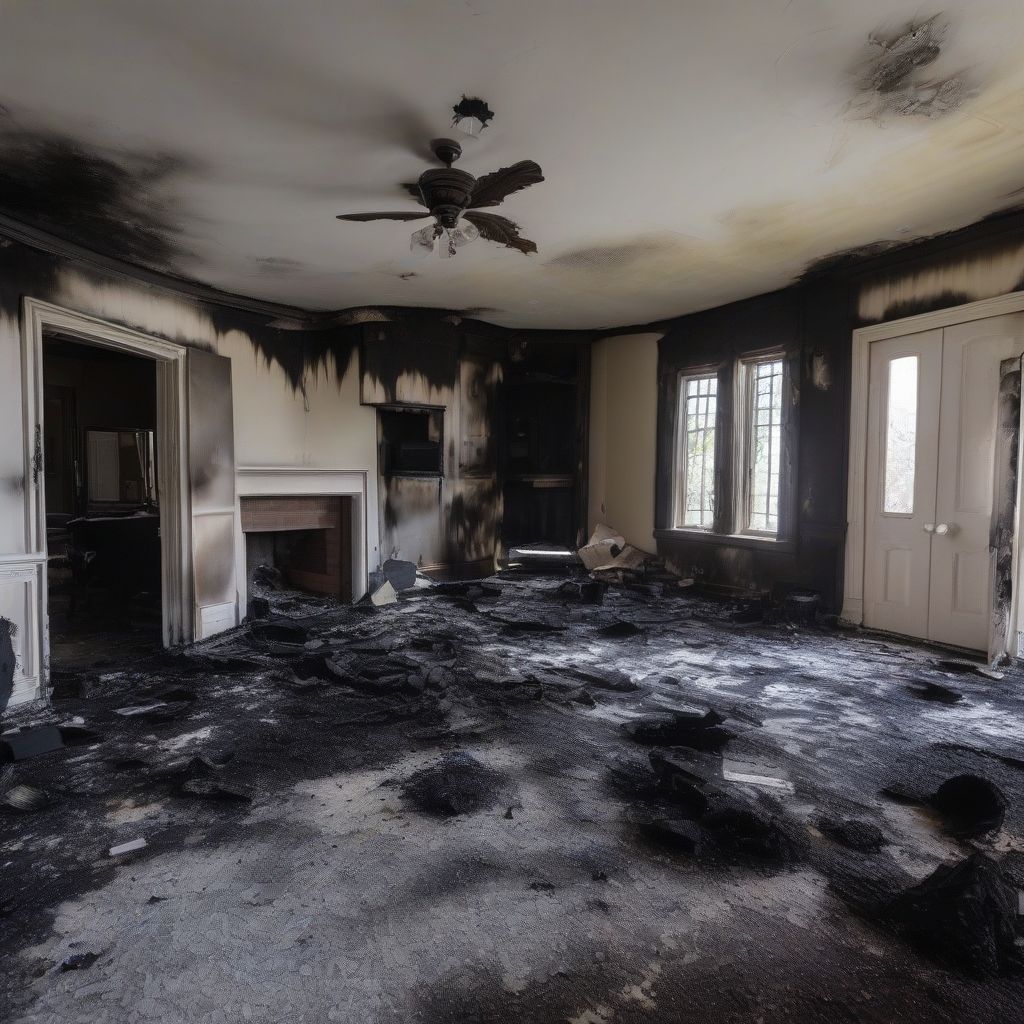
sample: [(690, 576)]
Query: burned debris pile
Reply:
[(688, 737)]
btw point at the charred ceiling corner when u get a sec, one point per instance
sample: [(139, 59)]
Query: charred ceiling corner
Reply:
[(117, 203), (895, 76)]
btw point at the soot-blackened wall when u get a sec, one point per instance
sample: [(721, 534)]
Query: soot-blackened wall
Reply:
[(812, 322)]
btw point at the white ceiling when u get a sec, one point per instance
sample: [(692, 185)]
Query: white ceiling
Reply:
[(695, 152)]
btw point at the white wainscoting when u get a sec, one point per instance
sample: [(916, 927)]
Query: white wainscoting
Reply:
[(20, 603)]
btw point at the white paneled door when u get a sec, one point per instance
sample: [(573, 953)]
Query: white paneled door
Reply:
[(932, 407)]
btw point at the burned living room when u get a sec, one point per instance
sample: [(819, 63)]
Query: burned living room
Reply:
[(511, 512)]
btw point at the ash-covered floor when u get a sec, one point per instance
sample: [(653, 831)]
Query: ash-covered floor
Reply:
[(501, 802)]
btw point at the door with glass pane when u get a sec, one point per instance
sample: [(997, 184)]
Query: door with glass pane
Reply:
[(933, 403), (903, 451), (960, 595)]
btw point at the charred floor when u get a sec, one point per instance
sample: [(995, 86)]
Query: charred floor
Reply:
[(535, 797)]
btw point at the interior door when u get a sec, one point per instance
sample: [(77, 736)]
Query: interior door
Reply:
[(960, 595), (211, 436), (903, 452)]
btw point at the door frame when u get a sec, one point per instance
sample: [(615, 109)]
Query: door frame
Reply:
[(39, 318), (856, 501)]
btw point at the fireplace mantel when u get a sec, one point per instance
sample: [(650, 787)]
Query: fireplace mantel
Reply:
[(285, 481)]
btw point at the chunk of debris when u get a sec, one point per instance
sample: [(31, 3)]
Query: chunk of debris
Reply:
[(964, 915), (134, 710), (681, 728), (629, 559), (678, 835), (739, 772), (748, 833), (384, 594), (457, 784), (78, 736), (963, 668), (862, 836), (280, 630), (209, 789), (399, 573), (619, 630), (970, 805), (935, 692), (586, 591), (677, 783), (22, 744), (130, 847), (268, 576), (258, 608), (78, 962), (604, 545), (22, 797)]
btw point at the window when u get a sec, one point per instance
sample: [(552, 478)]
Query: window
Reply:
[(695, 470), (900, 437), (762, 387)]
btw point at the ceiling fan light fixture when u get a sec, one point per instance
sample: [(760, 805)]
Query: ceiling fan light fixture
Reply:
[(422, 242), (453, 239)]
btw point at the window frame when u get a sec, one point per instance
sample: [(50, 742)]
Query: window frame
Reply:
[(679, 460), (742, 454)]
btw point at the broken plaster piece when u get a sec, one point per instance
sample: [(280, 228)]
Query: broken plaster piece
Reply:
[(129, 847), (384, 594), (629, 558)]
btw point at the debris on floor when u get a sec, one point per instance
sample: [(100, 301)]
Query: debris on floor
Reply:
[(34, 741), (965, 915), (482, 753), (130, 847)]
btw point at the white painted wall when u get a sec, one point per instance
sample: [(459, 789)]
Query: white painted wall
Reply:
[(322, 426), (623, 435)]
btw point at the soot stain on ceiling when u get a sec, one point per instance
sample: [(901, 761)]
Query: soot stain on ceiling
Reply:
[(278, 266), (114, 203), (609, 259), (892, 79)]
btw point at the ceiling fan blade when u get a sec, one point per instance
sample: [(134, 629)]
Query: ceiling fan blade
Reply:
[(494, 188), (382, 216), (499, 229), (413, 188)]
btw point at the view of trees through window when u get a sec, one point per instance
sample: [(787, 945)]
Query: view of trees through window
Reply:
[(765, 435), (900, 436), (697, 443)]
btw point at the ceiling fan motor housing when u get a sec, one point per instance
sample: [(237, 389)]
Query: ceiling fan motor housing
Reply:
[(446, 193)]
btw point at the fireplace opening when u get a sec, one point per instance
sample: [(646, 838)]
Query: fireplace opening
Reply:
[(304, 540)]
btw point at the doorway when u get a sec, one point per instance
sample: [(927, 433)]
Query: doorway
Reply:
[(930, 478), (103, 509)]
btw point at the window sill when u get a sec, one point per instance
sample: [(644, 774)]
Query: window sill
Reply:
[(728, 540)]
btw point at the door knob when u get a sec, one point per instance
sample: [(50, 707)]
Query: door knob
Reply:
[(929, 527), (943, 529)]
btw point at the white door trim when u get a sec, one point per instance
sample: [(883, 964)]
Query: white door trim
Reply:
[(856, 502), (39, 317)]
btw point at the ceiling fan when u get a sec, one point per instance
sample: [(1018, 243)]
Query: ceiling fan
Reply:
[(450, 194)]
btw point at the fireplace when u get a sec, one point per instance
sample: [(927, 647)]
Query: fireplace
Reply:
[(307, 538)]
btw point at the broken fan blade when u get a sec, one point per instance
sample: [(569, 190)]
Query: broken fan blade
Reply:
[(499, 229), (381, 216), (494, 188)]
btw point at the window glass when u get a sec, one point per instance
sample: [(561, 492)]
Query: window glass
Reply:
[(764, 382), (900, 436), (696, 488)]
